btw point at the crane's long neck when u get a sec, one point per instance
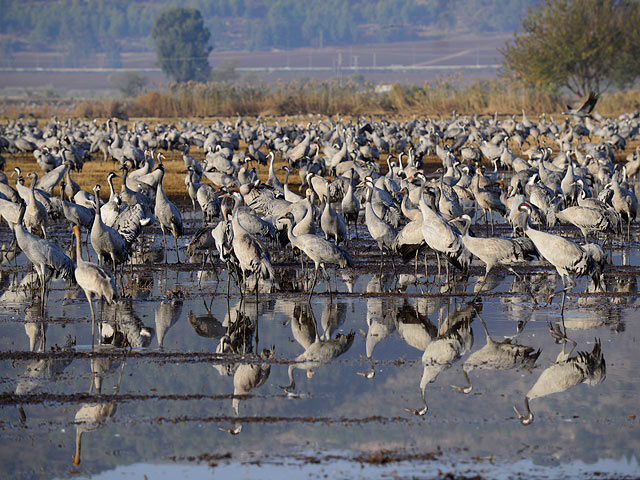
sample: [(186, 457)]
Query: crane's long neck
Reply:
[(465, 227), (292, 236), (111, 190), (32, 189), (160, 189), (76, 232)]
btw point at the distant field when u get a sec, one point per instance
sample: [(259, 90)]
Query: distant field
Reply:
[(473, 56)]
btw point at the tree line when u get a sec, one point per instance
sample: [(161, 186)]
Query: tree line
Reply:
[(82, 27)]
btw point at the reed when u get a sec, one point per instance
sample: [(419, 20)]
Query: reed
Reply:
[(351, 97)]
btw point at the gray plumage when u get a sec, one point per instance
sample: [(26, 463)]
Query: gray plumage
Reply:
[(332, 224), (567, 257), (497, 251), (106, 241), (47, 258), (168, 215)]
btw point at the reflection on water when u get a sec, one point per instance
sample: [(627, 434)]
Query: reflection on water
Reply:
[(201, 365)]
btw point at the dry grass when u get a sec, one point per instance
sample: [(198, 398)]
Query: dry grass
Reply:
[(324, 97)]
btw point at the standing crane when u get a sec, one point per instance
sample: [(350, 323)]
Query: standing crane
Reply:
[(350, 206), (332, 224), (106, 241), (495, 251), (93, 280), (47, 258), (319, 250), (36, 217), (440, 237), (252, 257), (566, 256), (383, 233), (168, 216)]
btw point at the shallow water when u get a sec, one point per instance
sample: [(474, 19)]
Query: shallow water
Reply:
[(168, 411)]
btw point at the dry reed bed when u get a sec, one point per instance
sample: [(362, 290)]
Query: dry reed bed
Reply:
[(324, 97)]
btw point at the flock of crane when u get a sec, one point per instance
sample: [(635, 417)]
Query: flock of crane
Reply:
[(565, 173)]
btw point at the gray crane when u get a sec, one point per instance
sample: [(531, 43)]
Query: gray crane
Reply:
[(588, 220), (273, 180), (332, 224), (36, 217), (253, 257), (497, 251), (168, 216), (381, 232), (76, 214), (625, 203), (488, 200), (567, 257), (106, 241), (585, 109), (320, 251), (47, 258), (93, 280), (350, 206), (566, 372), (440, 236), (289, 196), (129, 223)]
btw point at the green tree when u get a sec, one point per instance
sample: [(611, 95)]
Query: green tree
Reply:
[(182, 44), (583, 45)]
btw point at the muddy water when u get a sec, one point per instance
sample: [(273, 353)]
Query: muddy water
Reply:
[(164, 406)]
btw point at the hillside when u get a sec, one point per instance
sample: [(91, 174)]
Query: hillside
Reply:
[(80, 29)]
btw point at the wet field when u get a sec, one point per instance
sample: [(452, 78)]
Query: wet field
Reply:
[(159, 400)]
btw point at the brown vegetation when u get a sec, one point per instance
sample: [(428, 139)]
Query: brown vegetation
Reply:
[(328, 98)]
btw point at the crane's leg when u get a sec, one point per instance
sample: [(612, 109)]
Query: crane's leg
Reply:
[(164, 241), (328, 281), (381, 260), (491, 220), (42, 290), (175, 241), (393, 264), (315, 279), (426, 276), (93, 318)]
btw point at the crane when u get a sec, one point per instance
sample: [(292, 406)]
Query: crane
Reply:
[(252, 257), (47, 258), (566, 256), (319, 250), (381, 232), (93, 280), (106, 241), (494, 251), (168, 216)]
